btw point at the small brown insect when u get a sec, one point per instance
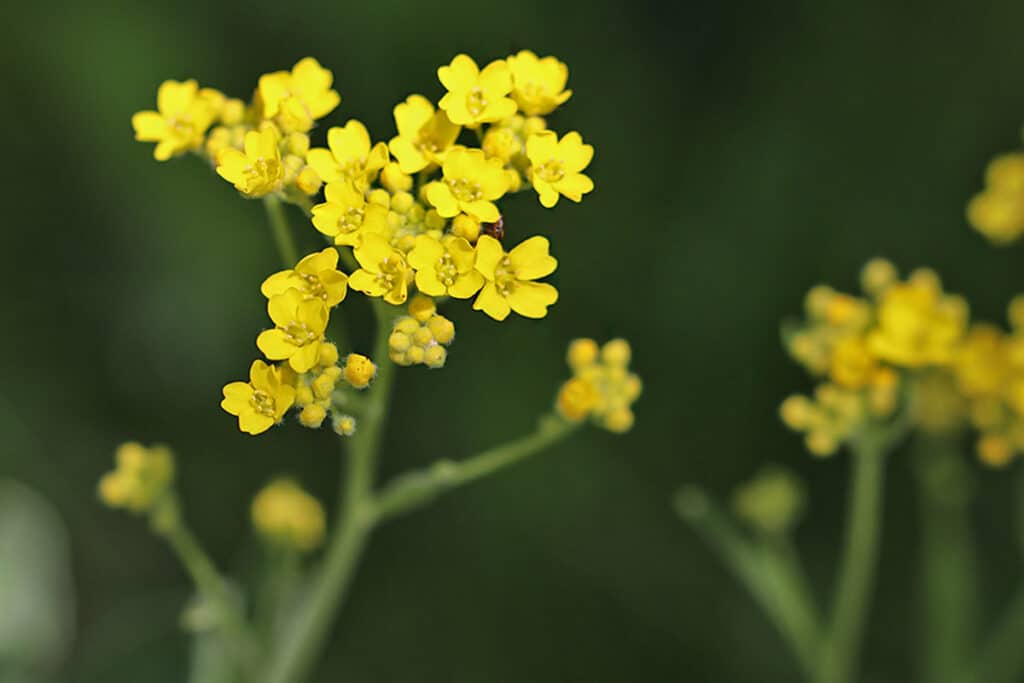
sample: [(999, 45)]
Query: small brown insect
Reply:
[(495, 229)]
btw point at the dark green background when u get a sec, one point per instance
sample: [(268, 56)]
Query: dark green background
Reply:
[(745, 151)]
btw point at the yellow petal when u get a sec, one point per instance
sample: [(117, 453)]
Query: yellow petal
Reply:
[(149, 126), (278, 283), (349, 143), (281, 308), (305, 357), (489, 253), (275, 345), (531, 260), (318, 261), (254, 423), (173, 97), (575, 186), (531, 299), (442, 199), (460, 74), (323, 163), (492, 303), (466, 285)]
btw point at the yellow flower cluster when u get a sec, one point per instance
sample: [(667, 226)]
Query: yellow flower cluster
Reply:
[(989, 372), (298, 302), (260, 147), (420, 212), (141, 476), (601, 388), (902, 338), (421, 337), (997, 212), (286, 515)]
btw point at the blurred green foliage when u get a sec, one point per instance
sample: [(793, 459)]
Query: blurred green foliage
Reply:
[(745, 151)]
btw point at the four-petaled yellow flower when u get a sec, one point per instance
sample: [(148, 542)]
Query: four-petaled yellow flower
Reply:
[(261, 402), (351, 156), (471, 184), (347, 216), (298, 98), (316, 276), (383, 271), (445, 266), (556, 165), (509, 277), (180, 122), (424, 135), (476, 96), (300, 330), (538, 85), (258, 171)]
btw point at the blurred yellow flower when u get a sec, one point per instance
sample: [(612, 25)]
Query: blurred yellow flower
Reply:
[(285, 514), (998, 211), (601, 387), (141, 476), (917, 324)]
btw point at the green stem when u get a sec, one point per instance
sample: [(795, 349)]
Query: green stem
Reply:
[(948, 572), (1001, 659), (281, 231), (414, 489), (768, 569), (304, 640), (859, 562), (211, 585)]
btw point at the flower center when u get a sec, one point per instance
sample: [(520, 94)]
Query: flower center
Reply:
[(351, 220), (314, 287), (465, 190), (505, 278), (552, 170), (298, 333), (476, 102), (391, 273), (446, 270), (262, 403)]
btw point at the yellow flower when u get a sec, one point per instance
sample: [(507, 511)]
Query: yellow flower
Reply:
[(180, 121), (300, 330), (142, 475), (316, 276), (852, 363), (296, 99), (258, 171), (383, 271), (350, 157), (918, 325), (261, 402), (998, 211), (285, 514), (476, 96), (346, 216), (556, 165), (509, 277), (982, 364), (538, 85), (471, 184), (445, 266), (424, 135), (576, 399)]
